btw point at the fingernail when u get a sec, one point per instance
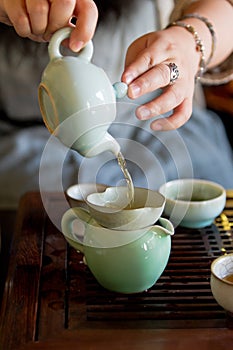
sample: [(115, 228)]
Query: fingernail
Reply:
[(76, 45), (129, 78), (143, 113), (157, 127), (134, 90)]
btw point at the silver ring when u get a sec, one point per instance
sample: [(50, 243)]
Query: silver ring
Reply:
[(174, 72)]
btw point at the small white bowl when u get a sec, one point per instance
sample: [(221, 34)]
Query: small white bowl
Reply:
[(77, 194), (193, 203), (221, 288)]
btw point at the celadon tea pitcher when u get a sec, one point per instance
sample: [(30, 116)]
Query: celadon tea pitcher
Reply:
[(77, 100), (121, 261)]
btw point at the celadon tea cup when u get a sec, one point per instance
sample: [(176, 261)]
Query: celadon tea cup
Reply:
[(113, 209), (77, 100), (121, 261), (221, 281), (193, 203)]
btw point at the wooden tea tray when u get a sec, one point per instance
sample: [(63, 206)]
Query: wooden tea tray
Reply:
[(52, 301)]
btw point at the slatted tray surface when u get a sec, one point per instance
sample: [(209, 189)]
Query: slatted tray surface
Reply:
[(49, 290)]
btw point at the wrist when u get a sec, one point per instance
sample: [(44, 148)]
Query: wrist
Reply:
[(186, 45)]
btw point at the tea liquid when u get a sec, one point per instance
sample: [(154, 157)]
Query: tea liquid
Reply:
[(228, 278), (122, 164)]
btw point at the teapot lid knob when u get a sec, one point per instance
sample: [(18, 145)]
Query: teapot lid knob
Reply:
[(120, 89)]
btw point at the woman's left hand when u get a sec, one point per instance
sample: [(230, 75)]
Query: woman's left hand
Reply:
[(146, 70)]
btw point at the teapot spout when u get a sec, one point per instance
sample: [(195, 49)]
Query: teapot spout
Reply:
[(107, 143)]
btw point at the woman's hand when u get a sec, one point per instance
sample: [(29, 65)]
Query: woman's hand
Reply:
[(39, 19), (146, 69)]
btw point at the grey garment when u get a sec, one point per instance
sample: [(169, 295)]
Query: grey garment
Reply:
[(209, 147), (199, 149), (32, 160), (20, 155)]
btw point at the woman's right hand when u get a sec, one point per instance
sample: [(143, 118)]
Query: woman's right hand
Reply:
[(38, 20)]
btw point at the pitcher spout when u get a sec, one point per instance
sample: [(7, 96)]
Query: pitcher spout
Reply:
[(166, 227), (107, 143)]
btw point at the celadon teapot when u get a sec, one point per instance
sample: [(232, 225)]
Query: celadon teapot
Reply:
[(77, 100)]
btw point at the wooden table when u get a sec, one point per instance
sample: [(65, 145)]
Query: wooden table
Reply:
[(51, 300)]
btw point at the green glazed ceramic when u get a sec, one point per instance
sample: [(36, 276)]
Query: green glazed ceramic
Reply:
[(110, 208), (193, 203), (77, 100), (121, 261)]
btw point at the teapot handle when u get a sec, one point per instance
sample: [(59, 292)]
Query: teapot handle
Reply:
[(64, 33)]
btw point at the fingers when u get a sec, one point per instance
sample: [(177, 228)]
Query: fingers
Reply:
[(176, 97), (155, 78), (171, 100), (167, 101), (59, 15), (87, 16), (61, 11), (153, 62), (143, 54), (38, 20), (173, 97), (17, 14), (38, 12), (179, 117)]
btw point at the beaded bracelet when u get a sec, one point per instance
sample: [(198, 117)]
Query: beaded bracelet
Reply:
[(199, 45), (211, 29)]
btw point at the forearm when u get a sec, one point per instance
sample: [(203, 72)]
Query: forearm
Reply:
[(220, 14)]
